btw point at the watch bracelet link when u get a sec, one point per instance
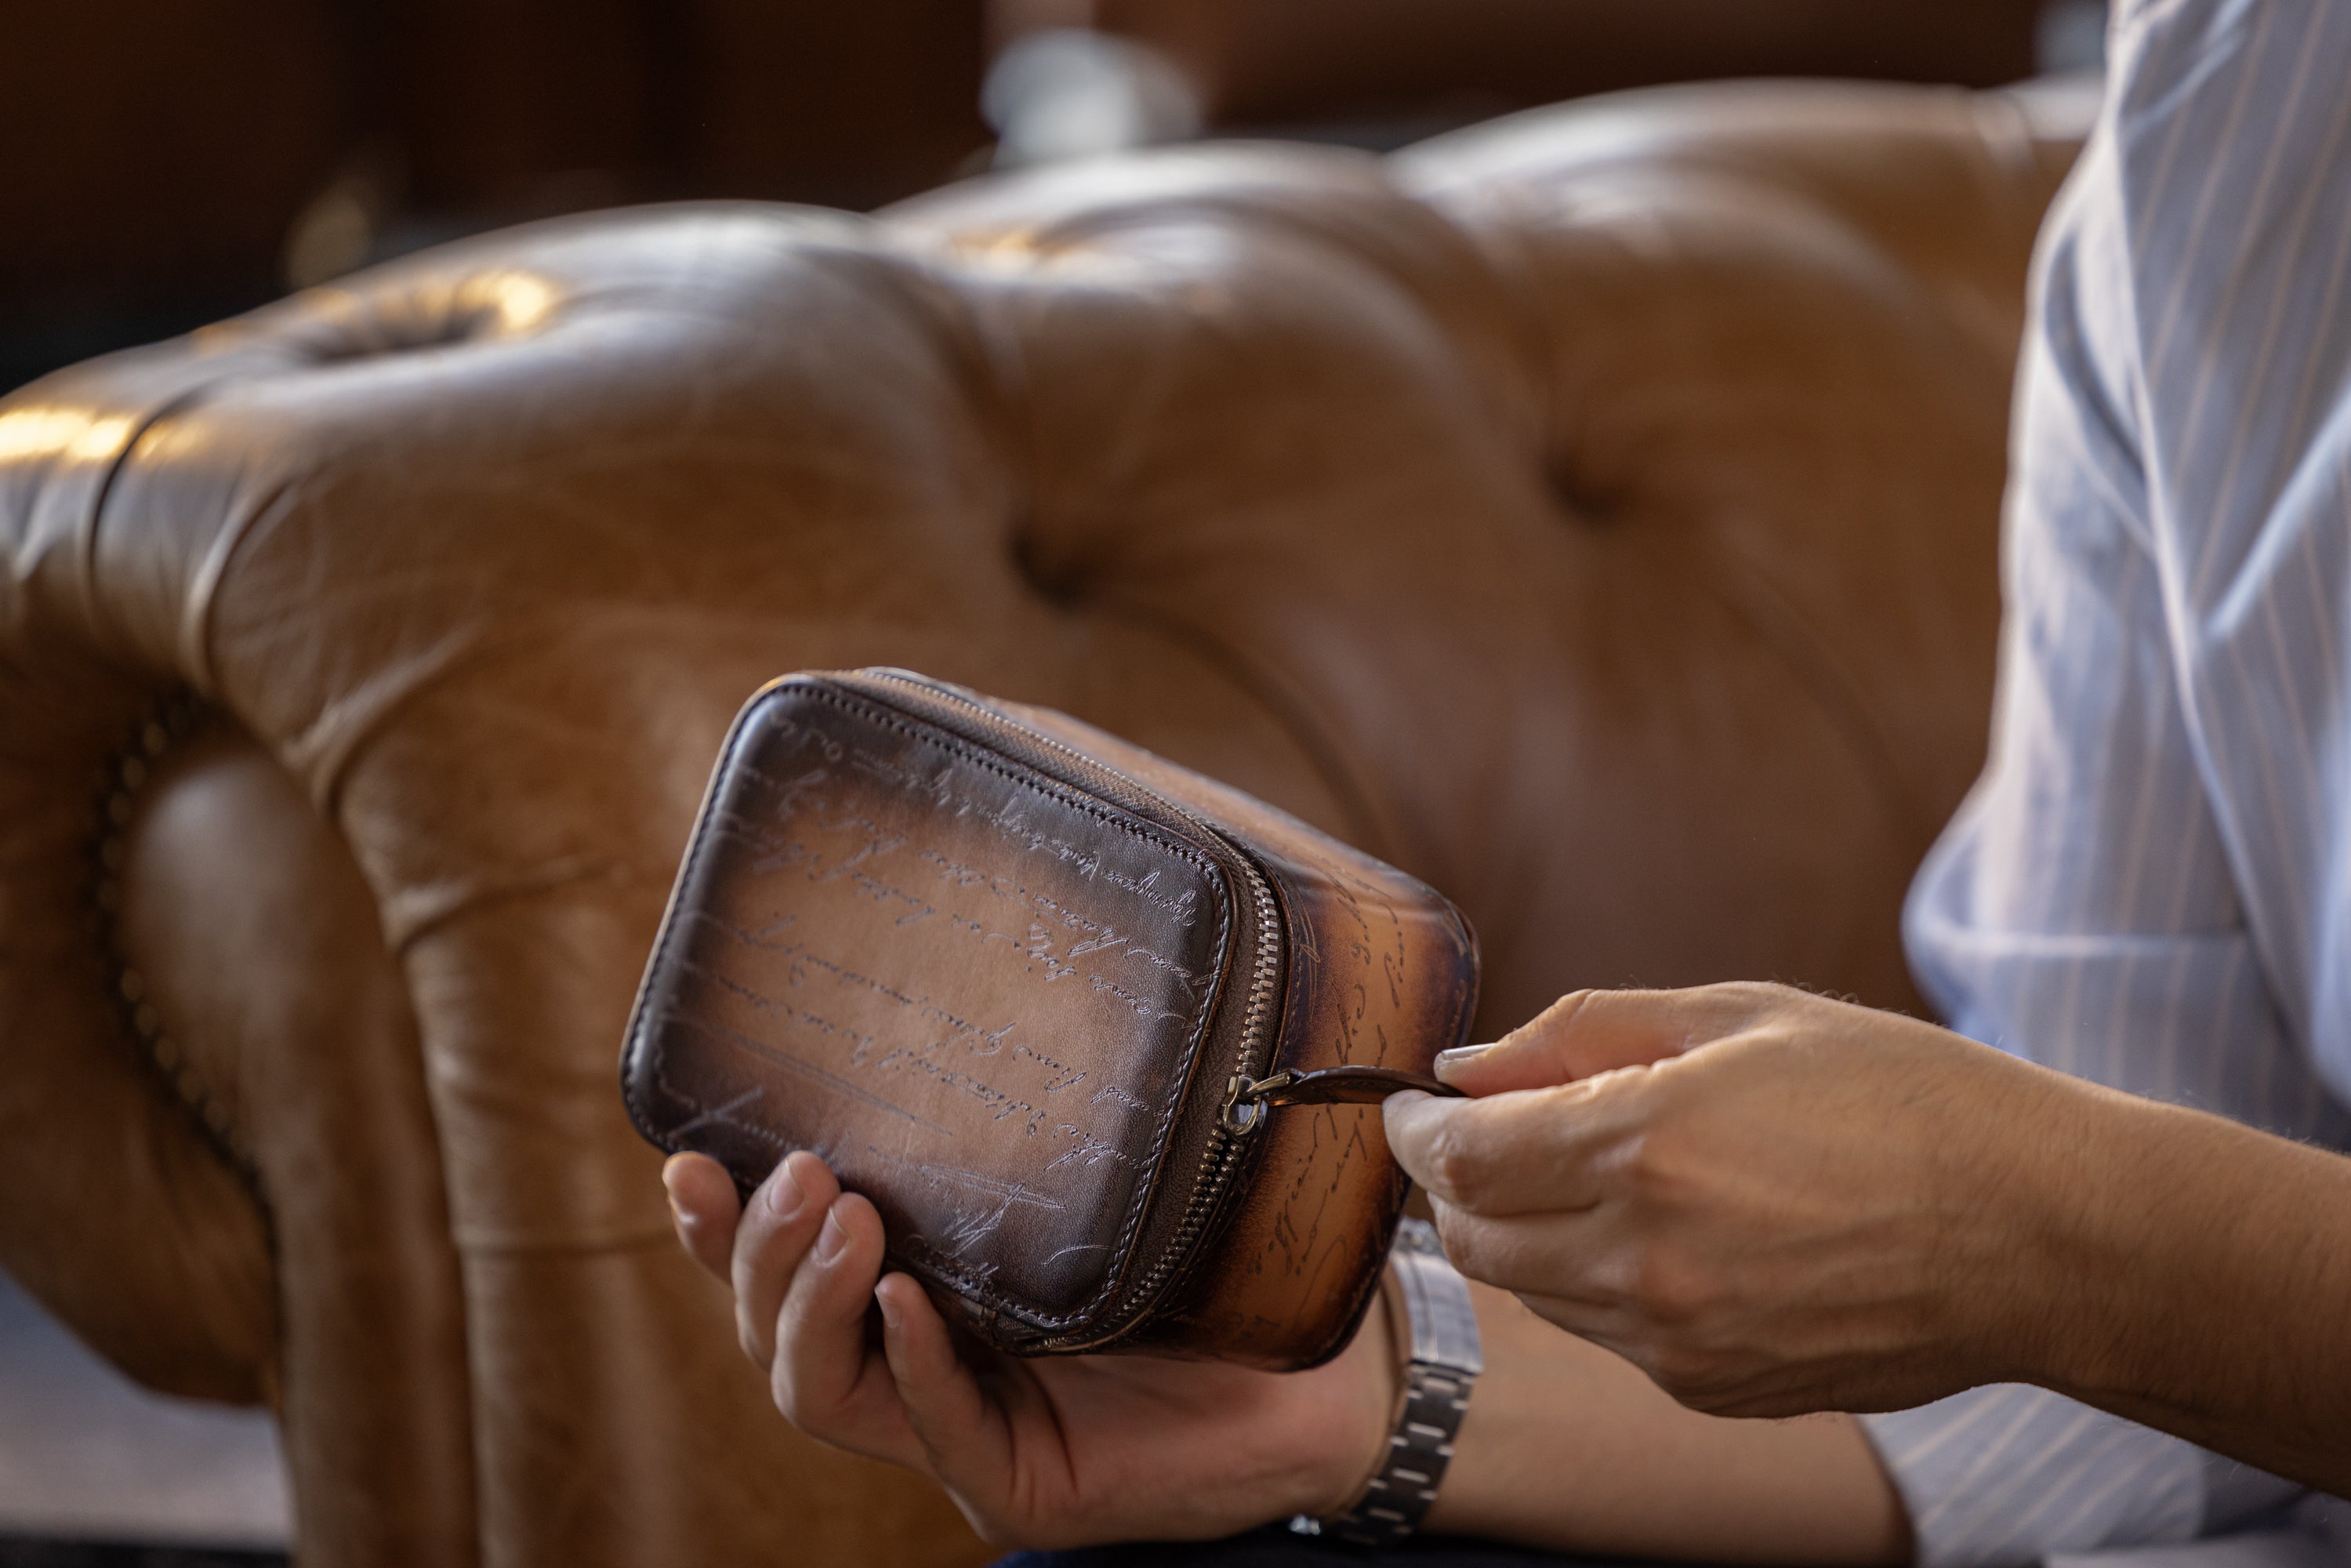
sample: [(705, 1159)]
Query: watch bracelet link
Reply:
[(1442, 1359)]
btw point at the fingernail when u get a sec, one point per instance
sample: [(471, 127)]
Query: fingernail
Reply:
[(889, 1311), (831, 1240), (680, 1216), (1460, 1056), (784, 1194)]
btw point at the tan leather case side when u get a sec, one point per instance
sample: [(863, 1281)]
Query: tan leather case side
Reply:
[(1382, 972)]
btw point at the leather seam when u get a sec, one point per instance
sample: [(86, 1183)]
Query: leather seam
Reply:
[(103, 492)]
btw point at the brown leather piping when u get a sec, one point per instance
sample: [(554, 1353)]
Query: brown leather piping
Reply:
[(173, 719)]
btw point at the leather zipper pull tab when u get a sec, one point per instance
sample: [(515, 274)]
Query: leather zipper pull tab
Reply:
[(1247, 1100)]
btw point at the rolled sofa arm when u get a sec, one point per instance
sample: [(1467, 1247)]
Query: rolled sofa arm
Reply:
[(218, 1164), (474, 559), (175, 1283)]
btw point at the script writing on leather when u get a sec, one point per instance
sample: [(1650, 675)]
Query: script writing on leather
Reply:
[(904, 926)]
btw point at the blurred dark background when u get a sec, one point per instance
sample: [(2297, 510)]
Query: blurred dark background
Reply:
[(174, 162)]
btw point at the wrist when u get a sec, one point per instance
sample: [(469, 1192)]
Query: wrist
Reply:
[(1436, 1351), (2171, 1222), (2120, 1205), (1379, 1392), (2046, 1227)]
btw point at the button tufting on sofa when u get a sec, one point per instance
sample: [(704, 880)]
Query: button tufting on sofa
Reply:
[(484, 308)]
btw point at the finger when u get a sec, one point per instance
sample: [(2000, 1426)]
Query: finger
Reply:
[(828, 1378), (1517, 1153), (779, 1225), (963, 1433), (703, 1208), (1586, 1033)]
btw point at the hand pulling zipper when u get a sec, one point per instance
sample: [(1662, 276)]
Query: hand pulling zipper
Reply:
[(1328, 1086)]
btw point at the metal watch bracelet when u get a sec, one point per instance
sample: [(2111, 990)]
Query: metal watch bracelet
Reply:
[(1442, 1359)]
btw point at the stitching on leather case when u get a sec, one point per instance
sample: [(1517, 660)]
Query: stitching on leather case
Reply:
[(634, 1048), (637, 1049)]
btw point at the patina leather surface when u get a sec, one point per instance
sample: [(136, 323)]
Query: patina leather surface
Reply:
[(1376, 974), (1003, 990), (1593, 515), (982, 996)]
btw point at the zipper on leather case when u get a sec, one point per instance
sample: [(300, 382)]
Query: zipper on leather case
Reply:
[(1246, 1099), (1227, 1137)]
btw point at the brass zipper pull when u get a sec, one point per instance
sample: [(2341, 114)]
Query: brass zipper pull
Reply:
[(1248, 1099)]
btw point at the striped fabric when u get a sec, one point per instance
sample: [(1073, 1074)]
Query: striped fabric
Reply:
[(2152, 885)]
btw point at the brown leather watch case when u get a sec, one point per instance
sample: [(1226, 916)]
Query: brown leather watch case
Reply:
[(1101, 1038)]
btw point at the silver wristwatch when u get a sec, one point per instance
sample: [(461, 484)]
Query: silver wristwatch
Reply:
[(1442, 1359)]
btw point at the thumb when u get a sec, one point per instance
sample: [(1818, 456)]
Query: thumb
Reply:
[(1589, 1032)]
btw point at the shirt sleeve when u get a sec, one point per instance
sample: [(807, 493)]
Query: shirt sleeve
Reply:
[(2083, 908)]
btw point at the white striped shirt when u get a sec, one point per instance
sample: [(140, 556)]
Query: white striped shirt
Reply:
[(2152, 885)]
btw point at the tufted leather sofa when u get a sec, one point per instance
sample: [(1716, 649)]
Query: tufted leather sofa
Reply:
[(1592, 513)]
